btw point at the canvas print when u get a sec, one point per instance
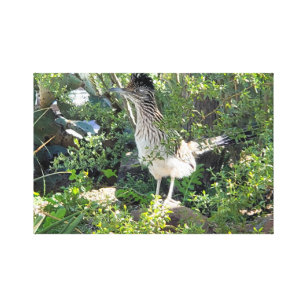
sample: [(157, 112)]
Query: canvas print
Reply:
[(153, 153)]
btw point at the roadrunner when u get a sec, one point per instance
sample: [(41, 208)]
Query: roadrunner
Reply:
[(151, 141)]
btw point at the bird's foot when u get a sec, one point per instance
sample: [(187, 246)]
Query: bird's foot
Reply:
[(157, 200), (172, 203)]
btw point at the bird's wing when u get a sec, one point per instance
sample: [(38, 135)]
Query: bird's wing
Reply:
[(208, 144), (184, 153)]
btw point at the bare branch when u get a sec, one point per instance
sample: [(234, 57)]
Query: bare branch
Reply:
[(126, 102)]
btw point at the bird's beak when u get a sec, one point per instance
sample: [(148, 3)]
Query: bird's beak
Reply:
[(121, 91), (127, 93)]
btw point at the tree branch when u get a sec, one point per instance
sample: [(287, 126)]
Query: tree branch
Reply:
[(126, 102)]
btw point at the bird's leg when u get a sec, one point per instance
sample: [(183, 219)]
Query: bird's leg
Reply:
[(158, 186), (169, 199), (171, 188)]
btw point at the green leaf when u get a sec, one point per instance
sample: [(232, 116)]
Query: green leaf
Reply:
[(73, 224), (37, 222), (76, 142), (75, 190), (60, 213), (73, 175), (45, 230), (109, 173)]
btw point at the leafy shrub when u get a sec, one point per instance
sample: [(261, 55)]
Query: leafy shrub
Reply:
[(190, 228), (97, 153), (143, 183), (63, 207), (63, 212), (237, 189), (54, 82), (113, 220), (187, 184)]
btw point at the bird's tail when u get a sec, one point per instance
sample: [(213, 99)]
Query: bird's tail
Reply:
[(219, 141)]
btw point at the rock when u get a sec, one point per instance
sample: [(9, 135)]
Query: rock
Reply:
[(181, 215), (51, 183), (265, 222), (131, 169), (101, 196), (130, 164)]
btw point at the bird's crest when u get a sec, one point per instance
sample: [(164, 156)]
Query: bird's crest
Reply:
[(141, 80)]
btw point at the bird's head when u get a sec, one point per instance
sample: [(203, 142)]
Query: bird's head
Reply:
[(138, 81), (139, 89)]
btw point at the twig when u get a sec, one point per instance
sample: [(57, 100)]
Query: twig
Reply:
[(40, 147), (135, 191), (100, 76), (38, 178), (41, 116), (128, 107), (41, 109)]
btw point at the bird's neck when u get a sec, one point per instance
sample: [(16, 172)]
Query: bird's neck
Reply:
[(148, 117), (148, 113)]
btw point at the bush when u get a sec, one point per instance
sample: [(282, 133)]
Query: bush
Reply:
[(56, 213), (239, 191), (64, 212), (112, 219), (97, 153)]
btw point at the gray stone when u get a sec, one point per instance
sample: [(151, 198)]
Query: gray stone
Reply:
[(181, 215)]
